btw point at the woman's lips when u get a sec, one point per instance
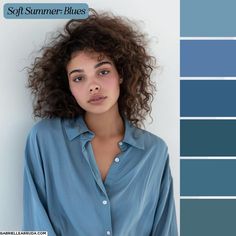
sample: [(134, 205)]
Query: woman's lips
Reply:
[(96, 99)]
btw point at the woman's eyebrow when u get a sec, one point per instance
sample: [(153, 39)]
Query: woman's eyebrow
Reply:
[(102, 63), (76, 70), (96, 66)]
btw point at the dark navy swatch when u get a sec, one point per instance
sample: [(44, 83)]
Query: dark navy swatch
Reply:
[(207, 98), (207, 18), (208, 137), (207, 217), (207, 177), (207, 58)]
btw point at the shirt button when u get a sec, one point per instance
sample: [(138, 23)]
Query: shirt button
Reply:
[(108, 232), (120, 143), (104, 202), (117, 159)]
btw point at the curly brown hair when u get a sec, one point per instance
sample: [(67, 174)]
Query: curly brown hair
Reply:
[(103, 33)]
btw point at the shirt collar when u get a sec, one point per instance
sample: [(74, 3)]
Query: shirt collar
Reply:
[(133, 136), (77, 127)]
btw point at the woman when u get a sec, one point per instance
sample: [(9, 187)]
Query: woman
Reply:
[(90, 169)]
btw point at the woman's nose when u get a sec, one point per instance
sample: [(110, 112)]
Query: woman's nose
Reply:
[(94, 88)]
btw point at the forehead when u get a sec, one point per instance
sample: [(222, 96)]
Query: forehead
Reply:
[(96, 56), (84, 60)]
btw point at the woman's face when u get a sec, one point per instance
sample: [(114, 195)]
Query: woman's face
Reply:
[(93, 81)]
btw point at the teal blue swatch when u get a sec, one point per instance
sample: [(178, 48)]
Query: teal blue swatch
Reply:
[(208, 137), (207, 217), (207, 18), (208, 177), (45, 10)]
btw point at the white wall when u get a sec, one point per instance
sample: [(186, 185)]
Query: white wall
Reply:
[(19, 38)]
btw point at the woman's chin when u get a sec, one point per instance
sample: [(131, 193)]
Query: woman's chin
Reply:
[(97, 111)]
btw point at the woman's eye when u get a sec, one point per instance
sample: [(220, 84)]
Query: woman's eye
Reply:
[(77, 79), (104, 72)]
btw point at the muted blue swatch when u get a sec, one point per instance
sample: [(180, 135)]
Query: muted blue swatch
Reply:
[(207, 58), (207, 18), (208, 177), (208, 137), (207, 217), (207, 98)]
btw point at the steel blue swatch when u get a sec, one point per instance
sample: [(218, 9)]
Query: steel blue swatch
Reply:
[(208, 58), (208, 177), (207, 217), (208, 98), (207, 18), (208, 138)]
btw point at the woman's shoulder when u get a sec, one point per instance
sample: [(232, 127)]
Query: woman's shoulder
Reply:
[(45, 126), (152, 140), (153, 146)]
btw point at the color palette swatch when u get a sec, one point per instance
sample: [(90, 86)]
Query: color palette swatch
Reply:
[(208, 58), (207, 117), (208, 137), (207, 217), (208, 98), (208, 177), (207, 18)]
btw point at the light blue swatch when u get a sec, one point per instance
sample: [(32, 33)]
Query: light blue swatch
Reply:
[(207, 18)]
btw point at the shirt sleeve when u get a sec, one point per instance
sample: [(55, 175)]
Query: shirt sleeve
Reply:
[(165, 216), (35, 215)]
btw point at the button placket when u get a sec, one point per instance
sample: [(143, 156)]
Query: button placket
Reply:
[(114, 168), (108, 227), (117, 159)]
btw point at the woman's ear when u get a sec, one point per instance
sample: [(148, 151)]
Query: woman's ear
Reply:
[(121, 80)]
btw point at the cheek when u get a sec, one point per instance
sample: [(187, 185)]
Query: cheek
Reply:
[(72, 89), (113, 85), (77, 93)]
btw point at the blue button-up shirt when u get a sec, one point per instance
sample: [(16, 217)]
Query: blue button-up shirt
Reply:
[(64, 193)]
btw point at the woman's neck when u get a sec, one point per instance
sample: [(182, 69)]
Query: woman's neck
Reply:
[(106, 125)]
